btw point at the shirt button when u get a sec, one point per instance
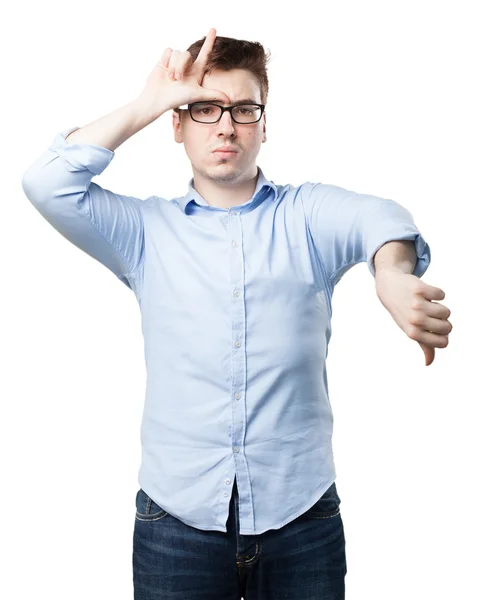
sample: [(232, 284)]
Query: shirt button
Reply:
[(237, 395), (234, 244), (225, 493), (228, 481), (233, 212), (236, 449), (236, 293), (237, 343)]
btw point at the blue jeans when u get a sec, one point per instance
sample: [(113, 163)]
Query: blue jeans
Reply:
[(303, 560)]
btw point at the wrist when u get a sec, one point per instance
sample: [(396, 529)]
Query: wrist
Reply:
[(144, 112)]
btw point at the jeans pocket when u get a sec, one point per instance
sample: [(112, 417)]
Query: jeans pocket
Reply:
[(327, 506), (147, 509)]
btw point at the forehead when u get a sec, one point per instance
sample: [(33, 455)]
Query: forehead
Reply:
[(236, 84)]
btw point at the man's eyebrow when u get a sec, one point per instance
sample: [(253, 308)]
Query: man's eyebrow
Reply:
[(240, 101)]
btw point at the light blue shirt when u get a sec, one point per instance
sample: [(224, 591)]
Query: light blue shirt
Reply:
[(236, 319)]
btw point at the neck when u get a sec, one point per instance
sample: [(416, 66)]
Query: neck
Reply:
[(228, 193)]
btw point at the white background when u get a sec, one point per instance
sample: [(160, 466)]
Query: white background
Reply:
[(390, 109)]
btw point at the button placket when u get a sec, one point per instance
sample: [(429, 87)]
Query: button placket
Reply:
[(238, 329)]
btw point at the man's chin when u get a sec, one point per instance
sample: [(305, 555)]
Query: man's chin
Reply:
[(225, 177)]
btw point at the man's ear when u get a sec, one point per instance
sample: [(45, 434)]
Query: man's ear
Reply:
[(264, 127), (176, 122)]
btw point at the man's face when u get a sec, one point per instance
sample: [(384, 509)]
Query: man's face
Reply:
[(201, 139)]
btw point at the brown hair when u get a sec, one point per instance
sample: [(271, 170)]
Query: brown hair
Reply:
[(229, 53)]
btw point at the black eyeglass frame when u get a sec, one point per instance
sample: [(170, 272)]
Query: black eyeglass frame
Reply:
[(229, 109)]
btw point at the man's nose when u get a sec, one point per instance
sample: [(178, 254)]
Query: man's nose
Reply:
[(226, 123)]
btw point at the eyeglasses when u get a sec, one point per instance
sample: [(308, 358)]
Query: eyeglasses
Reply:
[(208, 112)]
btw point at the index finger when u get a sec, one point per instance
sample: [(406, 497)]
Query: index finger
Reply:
[(207, 46)]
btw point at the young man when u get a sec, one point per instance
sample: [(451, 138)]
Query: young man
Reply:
[(234, 281)]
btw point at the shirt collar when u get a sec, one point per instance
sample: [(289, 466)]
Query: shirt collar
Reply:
[(192, 194)]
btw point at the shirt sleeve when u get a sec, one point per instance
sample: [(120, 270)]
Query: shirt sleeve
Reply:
[(348, 228), (105, 225)]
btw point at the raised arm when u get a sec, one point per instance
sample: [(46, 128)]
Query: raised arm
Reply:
[(106, 225)]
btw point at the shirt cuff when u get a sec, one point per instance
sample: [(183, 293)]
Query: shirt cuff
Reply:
[(81, 156)]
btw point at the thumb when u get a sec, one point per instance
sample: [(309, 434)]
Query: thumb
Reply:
[(428, 353)]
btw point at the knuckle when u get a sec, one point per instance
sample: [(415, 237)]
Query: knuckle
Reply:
[(419, 287), (415, 319), (411, 331)]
